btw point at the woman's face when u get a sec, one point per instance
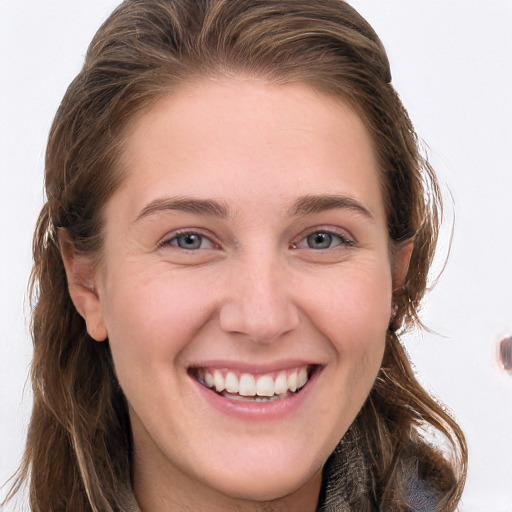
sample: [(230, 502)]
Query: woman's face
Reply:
[(246, 256)]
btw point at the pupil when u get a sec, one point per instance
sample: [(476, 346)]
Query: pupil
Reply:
[(189, 241), (320, 241)]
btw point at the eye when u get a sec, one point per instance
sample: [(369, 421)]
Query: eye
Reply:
[(322, 240), (189, 241), (319, 241)]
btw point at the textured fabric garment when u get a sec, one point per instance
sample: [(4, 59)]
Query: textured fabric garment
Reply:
[(346, 480), (128, 500)]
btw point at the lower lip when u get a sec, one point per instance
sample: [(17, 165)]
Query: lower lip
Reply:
[(272, 410)]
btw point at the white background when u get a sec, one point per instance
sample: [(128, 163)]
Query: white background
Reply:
[(452, 65)]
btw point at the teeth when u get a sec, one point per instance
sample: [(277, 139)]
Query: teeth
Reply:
[(251, 387), (266, 399), (247, 385), (281, 384), (265, 386), (302, 377), (240, 398), (218, 381), (231, 383), (292, 381)]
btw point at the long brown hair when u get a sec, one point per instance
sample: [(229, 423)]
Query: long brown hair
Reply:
[(78, 448)]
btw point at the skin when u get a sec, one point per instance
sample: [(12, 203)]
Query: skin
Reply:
[(257, 290)]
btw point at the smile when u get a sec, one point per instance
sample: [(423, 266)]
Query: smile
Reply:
[(250, 387)]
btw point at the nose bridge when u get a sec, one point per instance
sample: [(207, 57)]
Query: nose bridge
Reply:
[(259, 302)]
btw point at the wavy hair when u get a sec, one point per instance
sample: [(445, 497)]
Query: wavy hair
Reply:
[(78, 451)]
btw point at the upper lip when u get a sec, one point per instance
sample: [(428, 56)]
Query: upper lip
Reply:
[(254, 368)]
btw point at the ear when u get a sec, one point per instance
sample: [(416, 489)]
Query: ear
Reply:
[(402, 258), (82, 276)]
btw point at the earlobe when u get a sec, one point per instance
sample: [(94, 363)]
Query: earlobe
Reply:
[(81, 278)]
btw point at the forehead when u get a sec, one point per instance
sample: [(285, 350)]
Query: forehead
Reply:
[(236, 139)]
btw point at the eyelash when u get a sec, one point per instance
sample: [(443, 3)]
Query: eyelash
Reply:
[(179, 234), (344, 241)]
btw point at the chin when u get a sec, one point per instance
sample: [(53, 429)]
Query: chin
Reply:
[(262, 485), (265, 472)]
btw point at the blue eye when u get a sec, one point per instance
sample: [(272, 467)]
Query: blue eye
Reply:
[(319, 241), (190, 241), (322, 240)]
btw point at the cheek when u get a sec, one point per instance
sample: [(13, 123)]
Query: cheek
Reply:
[(150, 318), (356, 302), (352, 311)]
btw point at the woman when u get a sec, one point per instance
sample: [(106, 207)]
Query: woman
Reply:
[(238, 223)]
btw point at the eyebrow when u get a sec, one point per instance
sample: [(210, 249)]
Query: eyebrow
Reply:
[(207, 207), (307, 205), (304, 205)]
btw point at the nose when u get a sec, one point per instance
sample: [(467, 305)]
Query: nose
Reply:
[(258, 303)]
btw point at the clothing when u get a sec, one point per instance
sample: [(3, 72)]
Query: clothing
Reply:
[(346, 480), (129, 502)]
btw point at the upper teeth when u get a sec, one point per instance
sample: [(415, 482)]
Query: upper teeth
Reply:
[(247, 384)]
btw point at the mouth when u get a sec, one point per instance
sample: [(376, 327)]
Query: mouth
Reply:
[(249, 387)]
